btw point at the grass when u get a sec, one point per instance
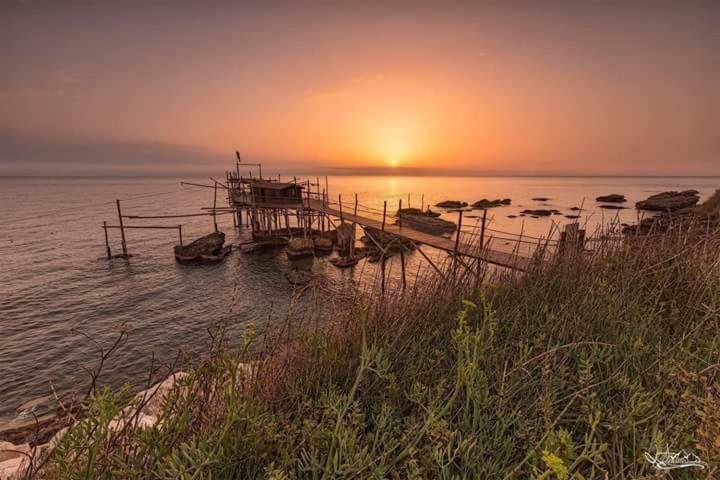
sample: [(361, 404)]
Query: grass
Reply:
[(572, 372)]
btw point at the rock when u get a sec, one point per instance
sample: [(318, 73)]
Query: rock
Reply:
[(9, 450), (12, 468), (613, 207), (323, 244), (299, 247), (612, 198), (23, 429), (512, 216), (572, 216), (541, 199), (157, 394), (208, 245), (669, 201), (575, 209), (298, 277), (540, 212), (485, 203), (451, 204), (416, 211), (431, 225)]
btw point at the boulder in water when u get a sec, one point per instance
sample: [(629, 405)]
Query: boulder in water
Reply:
[(431, 225), (323, 244), (540, 212), (416, 211), (451, 204), (485, 203), (612, 198), (208, 245), (300, 247), (669, 201)]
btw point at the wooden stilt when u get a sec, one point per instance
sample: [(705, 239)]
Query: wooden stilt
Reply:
[(459, 227), (122, 230), (384, 214), (214, 207), (482, 229), (180, 234), (107, 243)]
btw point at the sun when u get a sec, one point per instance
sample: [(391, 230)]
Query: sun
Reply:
[(395, 152)]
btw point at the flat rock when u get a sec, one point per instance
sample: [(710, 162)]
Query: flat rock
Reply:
[(298, 247), (485, 203), (323, 244), (431, 225), (541, 199), (208, 245), (451, 204), (613, 207), (612, 198), (669, 201), (416, 211), (540, 212)]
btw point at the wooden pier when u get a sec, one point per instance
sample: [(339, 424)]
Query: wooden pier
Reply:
[(276, 210)]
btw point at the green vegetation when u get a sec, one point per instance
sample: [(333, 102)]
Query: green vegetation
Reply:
[(573, 372)]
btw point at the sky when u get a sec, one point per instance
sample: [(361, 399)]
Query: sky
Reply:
[(581, 87)]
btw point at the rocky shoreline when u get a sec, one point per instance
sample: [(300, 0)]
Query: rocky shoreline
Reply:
[(27, 440)]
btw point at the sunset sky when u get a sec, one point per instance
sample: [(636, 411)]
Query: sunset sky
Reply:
[(541, 87)]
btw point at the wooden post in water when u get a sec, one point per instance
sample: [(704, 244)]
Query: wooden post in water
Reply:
[(122, 229), (354, 227), (384, 213), (342, 218), (399, 214), (482, 230), (215, 207), (180, 234), (327, 189), (459, 227), (107, 243), (422, 202), (402, 247)]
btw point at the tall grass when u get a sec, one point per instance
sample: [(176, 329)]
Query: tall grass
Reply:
[(570, 372)]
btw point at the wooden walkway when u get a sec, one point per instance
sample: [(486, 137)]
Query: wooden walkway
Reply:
[(496, 257)]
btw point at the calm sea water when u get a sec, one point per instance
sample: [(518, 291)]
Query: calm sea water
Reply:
[(57, 290)]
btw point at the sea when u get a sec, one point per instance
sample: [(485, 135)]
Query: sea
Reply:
[(63, 303)]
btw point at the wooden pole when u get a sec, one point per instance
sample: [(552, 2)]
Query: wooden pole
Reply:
[(327, 188), (384, 214), (342, 218), (354, 227), (402, 249), (214, 207), (459, 227), (122, 229), (422, 201), (107, 243), (482, 229), (399, 214), (180, 234)]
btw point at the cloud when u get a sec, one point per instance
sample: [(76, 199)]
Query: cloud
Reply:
[(347, 89), (29, 154)]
